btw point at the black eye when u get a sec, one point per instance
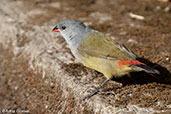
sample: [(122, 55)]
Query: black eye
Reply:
[(63, 27)]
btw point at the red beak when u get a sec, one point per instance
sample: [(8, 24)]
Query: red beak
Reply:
[(55, 29)]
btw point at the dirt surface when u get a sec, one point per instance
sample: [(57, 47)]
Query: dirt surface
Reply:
[(23, 90), (150, 39)]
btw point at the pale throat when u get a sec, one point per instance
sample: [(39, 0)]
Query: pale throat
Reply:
[(73, 40)]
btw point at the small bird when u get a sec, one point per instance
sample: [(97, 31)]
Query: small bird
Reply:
[(97, 51)]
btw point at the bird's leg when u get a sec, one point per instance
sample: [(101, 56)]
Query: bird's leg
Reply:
[(94, 91)]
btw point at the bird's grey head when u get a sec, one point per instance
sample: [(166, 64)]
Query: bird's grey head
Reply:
[(73, 31)]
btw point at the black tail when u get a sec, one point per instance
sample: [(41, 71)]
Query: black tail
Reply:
[(144, 68)]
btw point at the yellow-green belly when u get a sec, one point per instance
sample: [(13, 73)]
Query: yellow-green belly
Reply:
[(108, 67)]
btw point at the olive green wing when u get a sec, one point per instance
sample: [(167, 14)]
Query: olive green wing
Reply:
[(98, 45)]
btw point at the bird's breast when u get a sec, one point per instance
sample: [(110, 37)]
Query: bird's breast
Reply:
[(110, 68)]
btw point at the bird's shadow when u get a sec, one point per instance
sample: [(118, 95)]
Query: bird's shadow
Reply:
[(143, 78)]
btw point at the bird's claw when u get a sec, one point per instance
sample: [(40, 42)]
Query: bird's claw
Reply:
[(105, 93), (94, 92)]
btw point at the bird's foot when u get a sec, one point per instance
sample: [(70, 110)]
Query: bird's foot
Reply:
[(105, 93), (94, 92)]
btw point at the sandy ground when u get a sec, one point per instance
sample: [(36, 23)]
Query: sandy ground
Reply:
[(150, 39)]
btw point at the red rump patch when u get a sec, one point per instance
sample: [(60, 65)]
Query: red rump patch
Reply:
[(129, 62)]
